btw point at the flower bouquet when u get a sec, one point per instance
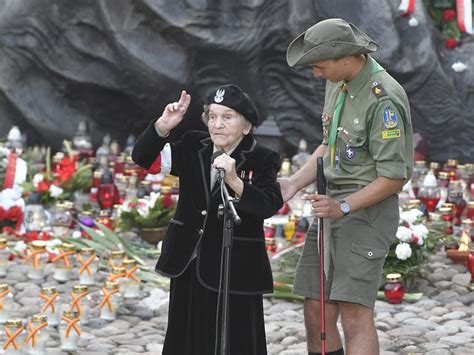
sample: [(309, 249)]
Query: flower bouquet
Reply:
[(60, 182), (149, 216), (414, 243)]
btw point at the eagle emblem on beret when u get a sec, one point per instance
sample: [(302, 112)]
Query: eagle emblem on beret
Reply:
[(219, 96)]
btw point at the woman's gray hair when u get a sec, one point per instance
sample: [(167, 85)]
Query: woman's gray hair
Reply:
[(205, 118)]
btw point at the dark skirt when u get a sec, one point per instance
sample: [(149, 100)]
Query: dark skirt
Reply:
[(192, 320)]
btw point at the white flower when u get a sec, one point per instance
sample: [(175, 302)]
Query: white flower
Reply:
[(404, 234), (413, 22), (76, 235), (37, 179), (403, 251), (459, 67), (411, 216), (420, 231), (153, 197), (55, 191), (20, 247), (142, 207)]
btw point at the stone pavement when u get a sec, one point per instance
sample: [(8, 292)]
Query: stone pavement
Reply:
[(442, 322)]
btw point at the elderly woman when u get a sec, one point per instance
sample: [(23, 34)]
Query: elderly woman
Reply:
[(192, 248)]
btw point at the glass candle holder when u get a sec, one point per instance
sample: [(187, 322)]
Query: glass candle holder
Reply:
[(64, 262), (394, 289), (289, 227), (105, 218), (6, 302), (61, 220), (470, 210), (132, 284), (110, 300), (450, 165), (36, 258), (14, 336), (435, 167), (4, 256), (80, 302), (69, 331), (87, 218), (456, 197), (470, 265), (50, 302), (447, 217), (119, 275), (429, 193), (116, 258), (88, 265), (38, 335), (270, 244), (96, 177)]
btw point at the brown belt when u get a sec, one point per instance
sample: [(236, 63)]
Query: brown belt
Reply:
[(345, 186)]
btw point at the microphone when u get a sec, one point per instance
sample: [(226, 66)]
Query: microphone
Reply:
[(220, 171)]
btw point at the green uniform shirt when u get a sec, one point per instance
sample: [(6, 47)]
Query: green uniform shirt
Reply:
[(375, 135)]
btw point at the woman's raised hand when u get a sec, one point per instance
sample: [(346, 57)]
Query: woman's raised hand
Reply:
[(173, 113)]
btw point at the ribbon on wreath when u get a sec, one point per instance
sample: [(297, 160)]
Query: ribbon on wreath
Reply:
[(464, 11), (9, 178), (14, 213), (130, 273), (407, 7), (71, 323), (49, 302), (64, 255), (76, 301), (34, 255), (106, 299), (2, 295), (85, 264), (12, 338), (33, 331)]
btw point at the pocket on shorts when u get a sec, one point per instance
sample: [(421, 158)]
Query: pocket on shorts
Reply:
[(366, 260)]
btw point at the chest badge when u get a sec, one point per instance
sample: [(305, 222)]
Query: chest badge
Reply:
[(349, 153), (390, 119), (356, 121)]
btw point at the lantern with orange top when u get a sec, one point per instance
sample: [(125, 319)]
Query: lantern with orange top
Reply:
[(69, 331), (110, 300), (80, 302), (64, 262), (88, 264), (36, 258), (38, 335)]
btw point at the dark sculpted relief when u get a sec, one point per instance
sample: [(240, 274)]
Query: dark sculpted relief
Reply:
[(116, 63)]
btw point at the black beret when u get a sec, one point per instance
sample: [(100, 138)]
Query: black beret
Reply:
[(234, 97)]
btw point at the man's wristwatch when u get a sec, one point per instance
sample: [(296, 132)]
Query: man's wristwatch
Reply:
[(345, 207)]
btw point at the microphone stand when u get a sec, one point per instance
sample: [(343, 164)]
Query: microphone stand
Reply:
[(230, 218)]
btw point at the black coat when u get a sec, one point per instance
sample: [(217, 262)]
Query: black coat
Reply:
[(195, 225)]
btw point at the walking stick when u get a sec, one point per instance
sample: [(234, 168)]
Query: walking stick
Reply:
[(321, 190)]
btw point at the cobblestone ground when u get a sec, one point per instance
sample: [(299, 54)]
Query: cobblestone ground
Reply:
[(442, 322)]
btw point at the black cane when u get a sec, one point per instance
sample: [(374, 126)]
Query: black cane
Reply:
[(321, 190)]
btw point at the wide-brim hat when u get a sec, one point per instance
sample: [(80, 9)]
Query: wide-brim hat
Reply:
[(232, 96), (329, 39)]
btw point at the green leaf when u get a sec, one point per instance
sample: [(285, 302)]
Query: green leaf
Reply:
[(98, 238)]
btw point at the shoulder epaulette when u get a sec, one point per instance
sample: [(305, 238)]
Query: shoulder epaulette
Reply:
[(378, 90)]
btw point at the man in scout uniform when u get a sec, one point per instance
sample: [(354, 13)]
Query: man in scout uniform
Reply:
[(368, 151)]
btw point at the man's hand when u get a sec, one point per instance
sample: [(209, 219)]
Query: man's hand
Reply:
[(324, 206), (288, 189)]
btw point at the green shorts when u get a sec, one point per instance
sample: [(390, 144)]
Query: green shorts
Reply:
[(359, 244)]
